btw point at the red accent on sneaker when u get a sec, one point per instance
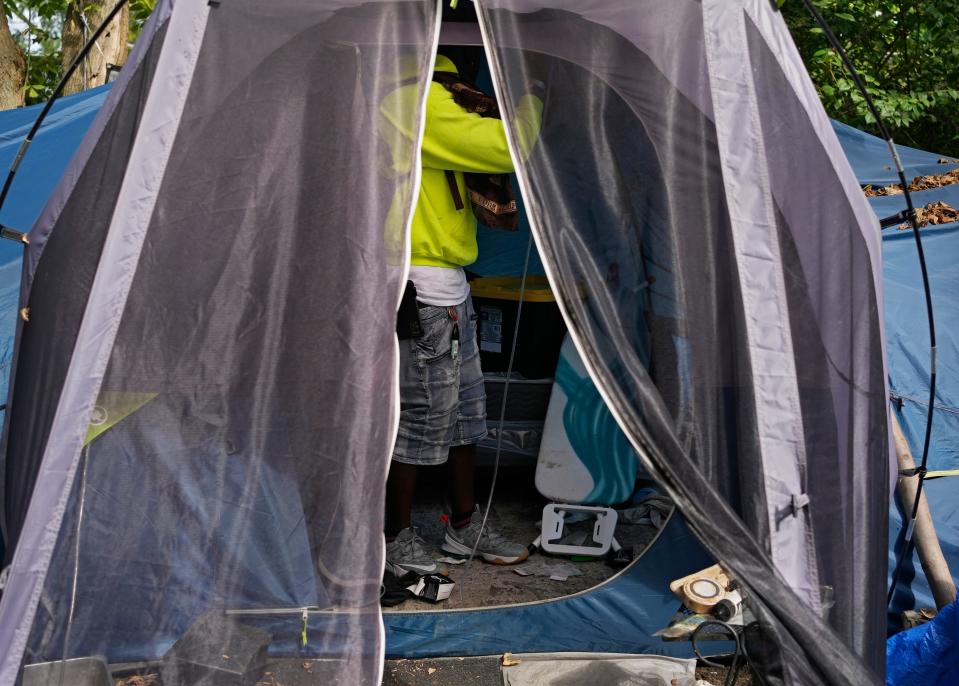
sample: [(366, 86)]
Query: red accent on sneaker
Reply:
[(444, 518), (461, 523)]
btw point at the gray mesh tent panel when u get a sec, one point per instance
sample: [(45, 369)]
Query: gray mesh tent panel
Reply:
[(259, 184), (203, 418), (719, 270)]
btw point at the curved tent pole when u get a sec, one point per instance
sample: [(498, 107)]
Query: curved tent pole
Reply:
[(57, 92), (909, 214)]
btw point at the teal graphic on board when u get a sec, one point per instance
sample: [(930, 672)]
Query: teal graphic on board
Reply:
[(584, 456)]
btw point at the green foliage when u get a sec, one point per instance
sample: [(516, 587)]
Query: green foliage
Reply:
[(37, 26), (139, 12), (908, 55)]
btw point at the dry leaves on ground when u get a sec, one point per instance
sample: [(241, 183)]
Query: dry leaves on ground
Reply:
[(139, 680), (933, 213), (892, 189), (920, 183)]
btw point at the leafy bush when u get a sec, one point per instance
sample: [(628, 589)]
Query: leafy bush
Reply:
[(908, 55)]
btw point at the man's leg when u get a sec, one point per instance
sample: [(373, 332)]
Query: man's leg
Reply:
[(400, 486), (461, 485), (428, 401), (405, 550), (465, 532)]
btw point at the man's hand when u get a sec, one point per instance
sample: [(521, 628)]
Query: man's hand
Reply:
[(536, 87)]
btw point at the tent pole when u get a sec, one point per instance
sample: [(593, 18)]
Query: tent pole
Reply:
[(934, 564)]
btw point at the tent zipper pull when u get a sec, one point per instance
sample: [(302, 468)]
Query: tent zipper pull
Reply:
[(306, 619), (455, 337)]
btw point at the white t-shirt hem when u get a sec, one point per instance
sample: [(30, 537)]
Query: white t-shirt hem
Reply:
[(440, 286)]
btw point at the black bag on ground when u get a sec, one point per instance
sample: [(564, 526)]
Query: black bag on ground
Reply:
[(394, 590)]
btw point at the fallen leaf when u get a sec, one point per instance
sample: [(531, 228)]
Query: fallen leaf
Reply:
[(431, 670), (933, 213), (919, 183), (509, 661)]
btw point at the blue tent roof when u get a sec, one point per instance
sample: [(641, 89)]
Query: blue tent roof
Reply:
[(870, 158), (38, 174), (905, 310)]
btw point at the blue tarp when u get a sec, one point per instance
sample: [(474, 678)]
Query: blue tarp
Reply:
[(907, 339), (503, 253), (927, 655), (36, 178), (870, 158)]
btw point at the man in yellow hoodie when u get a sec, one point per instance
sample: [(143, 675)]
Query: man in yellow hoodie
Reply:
[(442, 397)]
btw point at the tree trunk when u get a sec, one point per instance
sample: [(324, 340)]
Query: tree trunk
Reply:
[(933, 562), (13, 67), (82, 19)]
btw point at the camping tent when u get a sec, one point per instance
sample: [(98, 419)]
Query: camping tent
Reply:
[(204, 389), (503, 253)]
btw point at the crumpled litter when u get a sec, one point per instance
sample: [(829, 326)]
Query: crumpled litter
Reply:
[(653, 511)]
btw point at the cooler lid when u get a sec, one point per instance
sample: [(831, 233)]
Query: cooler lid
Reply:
[(508, 287)]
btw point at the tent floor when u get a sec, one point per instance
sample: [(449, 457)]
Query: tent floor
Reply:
[(485, 671), (517, 509), (444, 671)]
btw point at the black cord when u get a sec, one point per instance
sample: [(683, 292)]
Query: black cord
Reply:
[(502, 408), (733, 670), (56, 94), (911, 215)]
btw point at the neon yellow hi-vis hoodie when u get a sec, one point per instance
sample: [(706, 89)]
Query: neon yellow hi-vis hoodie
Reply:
[(459, 141)]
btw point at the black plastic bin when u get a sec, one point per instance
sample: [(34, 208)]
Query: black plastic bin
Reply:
[(541, 331)]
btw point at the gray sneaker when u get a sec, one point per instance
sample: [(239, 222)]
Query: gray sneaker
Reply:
[(492, 547), (408, 553)]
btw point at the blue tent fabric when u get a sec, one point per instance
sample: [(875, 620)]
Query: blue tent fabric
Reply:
[(913, 590), (927, 655), (269, 562), (36, 178), (870, 158), (47, 158), (907, 334)]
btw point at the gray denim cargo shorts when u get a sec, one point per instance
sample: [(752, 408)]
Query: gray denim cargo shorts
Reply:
[(442, 398)]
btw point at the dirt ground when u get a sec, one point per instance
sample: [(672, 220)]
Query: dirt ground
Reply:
[(517, 509), (449, 671)]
